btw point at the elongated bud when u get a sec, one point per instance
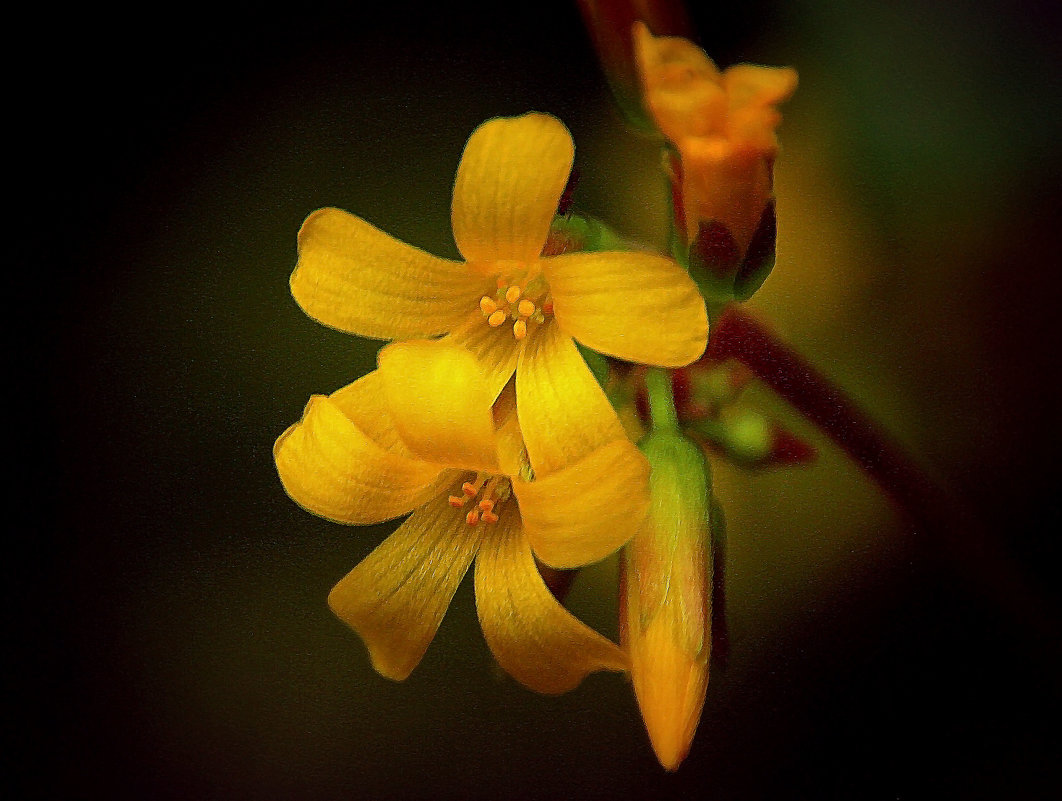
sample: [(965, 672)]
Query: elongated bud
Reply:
[(666, 600)]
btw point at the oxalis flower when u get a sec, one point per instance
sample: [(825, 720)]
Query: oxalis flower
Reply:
[(723, 126), (420, 433), (501, 302)]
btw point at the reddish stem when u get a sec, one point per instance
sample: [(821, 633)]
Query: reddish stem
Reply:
[(932, 510), (738, 336)]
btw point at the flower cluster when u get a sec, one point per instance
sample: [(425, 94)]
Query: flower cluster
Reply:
[(486, 425), (483, 419)]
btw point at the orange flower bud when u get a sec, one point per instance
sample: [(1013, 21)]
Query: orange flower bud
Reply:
[(723, 127), (666, 600)]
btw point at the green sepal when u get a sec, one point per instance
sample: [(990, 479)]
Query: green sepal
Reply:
[(720, 269), (587, 233)]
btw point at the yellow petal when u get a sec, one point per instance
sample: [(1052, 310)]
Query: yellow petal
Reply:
[(396, 598), (509, 182), (536, 640), (440, 404), (354, 277), (495, 348), (635, 306), (586, 511), (363, 402), (334, 469), (564, 414), (749, 84)]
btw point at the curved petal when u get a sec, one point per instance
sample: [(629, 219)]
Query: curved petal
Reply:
[(354, 277), (584, 512), (495, 348), (680, 83), (396, 598), (564, 414), (535, 639), (750, 84), (509, 182), (334, 469), (440, 404), (635, 306), (363, 402)]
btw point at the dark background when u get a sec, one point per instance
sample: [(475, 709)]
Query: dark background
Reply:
[(167, 600)]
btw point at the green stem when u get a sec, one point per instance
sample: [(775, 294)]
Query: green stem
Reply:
[(661, 402)]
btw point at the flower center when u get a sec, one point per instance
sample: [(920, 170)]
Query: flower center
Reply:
[(526, 303), (491, 492)]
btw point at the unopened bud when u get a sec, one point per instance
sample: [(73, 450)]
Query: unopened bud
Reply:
[(752, 440), (666, 612)]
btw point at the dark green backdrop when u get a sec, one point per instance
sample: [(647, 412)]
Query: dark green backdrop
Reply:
[(168, 598)]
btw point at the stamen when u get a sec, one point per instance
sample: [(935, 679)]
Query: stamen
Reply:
[(547, 307), (472, 517), (471, 489), (526, 308), (490, 517), (496, 318), (486, 505), (519, 329), (487, 306), (512, 294), (456, 502)]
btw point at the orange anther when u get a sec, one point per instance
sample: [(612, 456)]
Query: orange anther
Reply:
[(490, 517), (519, 329), (487, 306), (547, 307), (472, 517), (456, 502), (512, 294), (496, 318), (526, 308), (469, 489), (486, 505)]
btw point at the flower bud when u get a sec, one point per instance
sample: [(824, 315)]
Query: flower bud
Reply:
[(666, 597), (752, 440), (722, 125)]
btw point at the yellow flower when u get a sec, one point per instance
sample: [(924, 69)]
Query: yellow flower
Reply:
[(502, 300), (666, 602), (722, 125), (420, 433)]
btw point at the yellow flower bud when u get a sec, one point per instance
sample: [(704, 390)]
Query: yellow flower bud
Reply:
[(666, 601)]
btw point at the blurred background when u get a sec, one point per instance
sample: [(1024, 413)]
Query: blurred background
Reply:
[(168, 599)]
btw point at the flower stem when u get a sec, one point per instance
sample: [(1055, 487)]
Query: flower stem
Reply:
[(737, 335), (933, 511), (661, 402)]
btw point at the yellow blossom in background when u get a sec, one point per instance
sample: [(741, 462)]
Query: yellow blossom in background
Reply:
[(666, 600), (506, 302), (420, 434), (722, 124)]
